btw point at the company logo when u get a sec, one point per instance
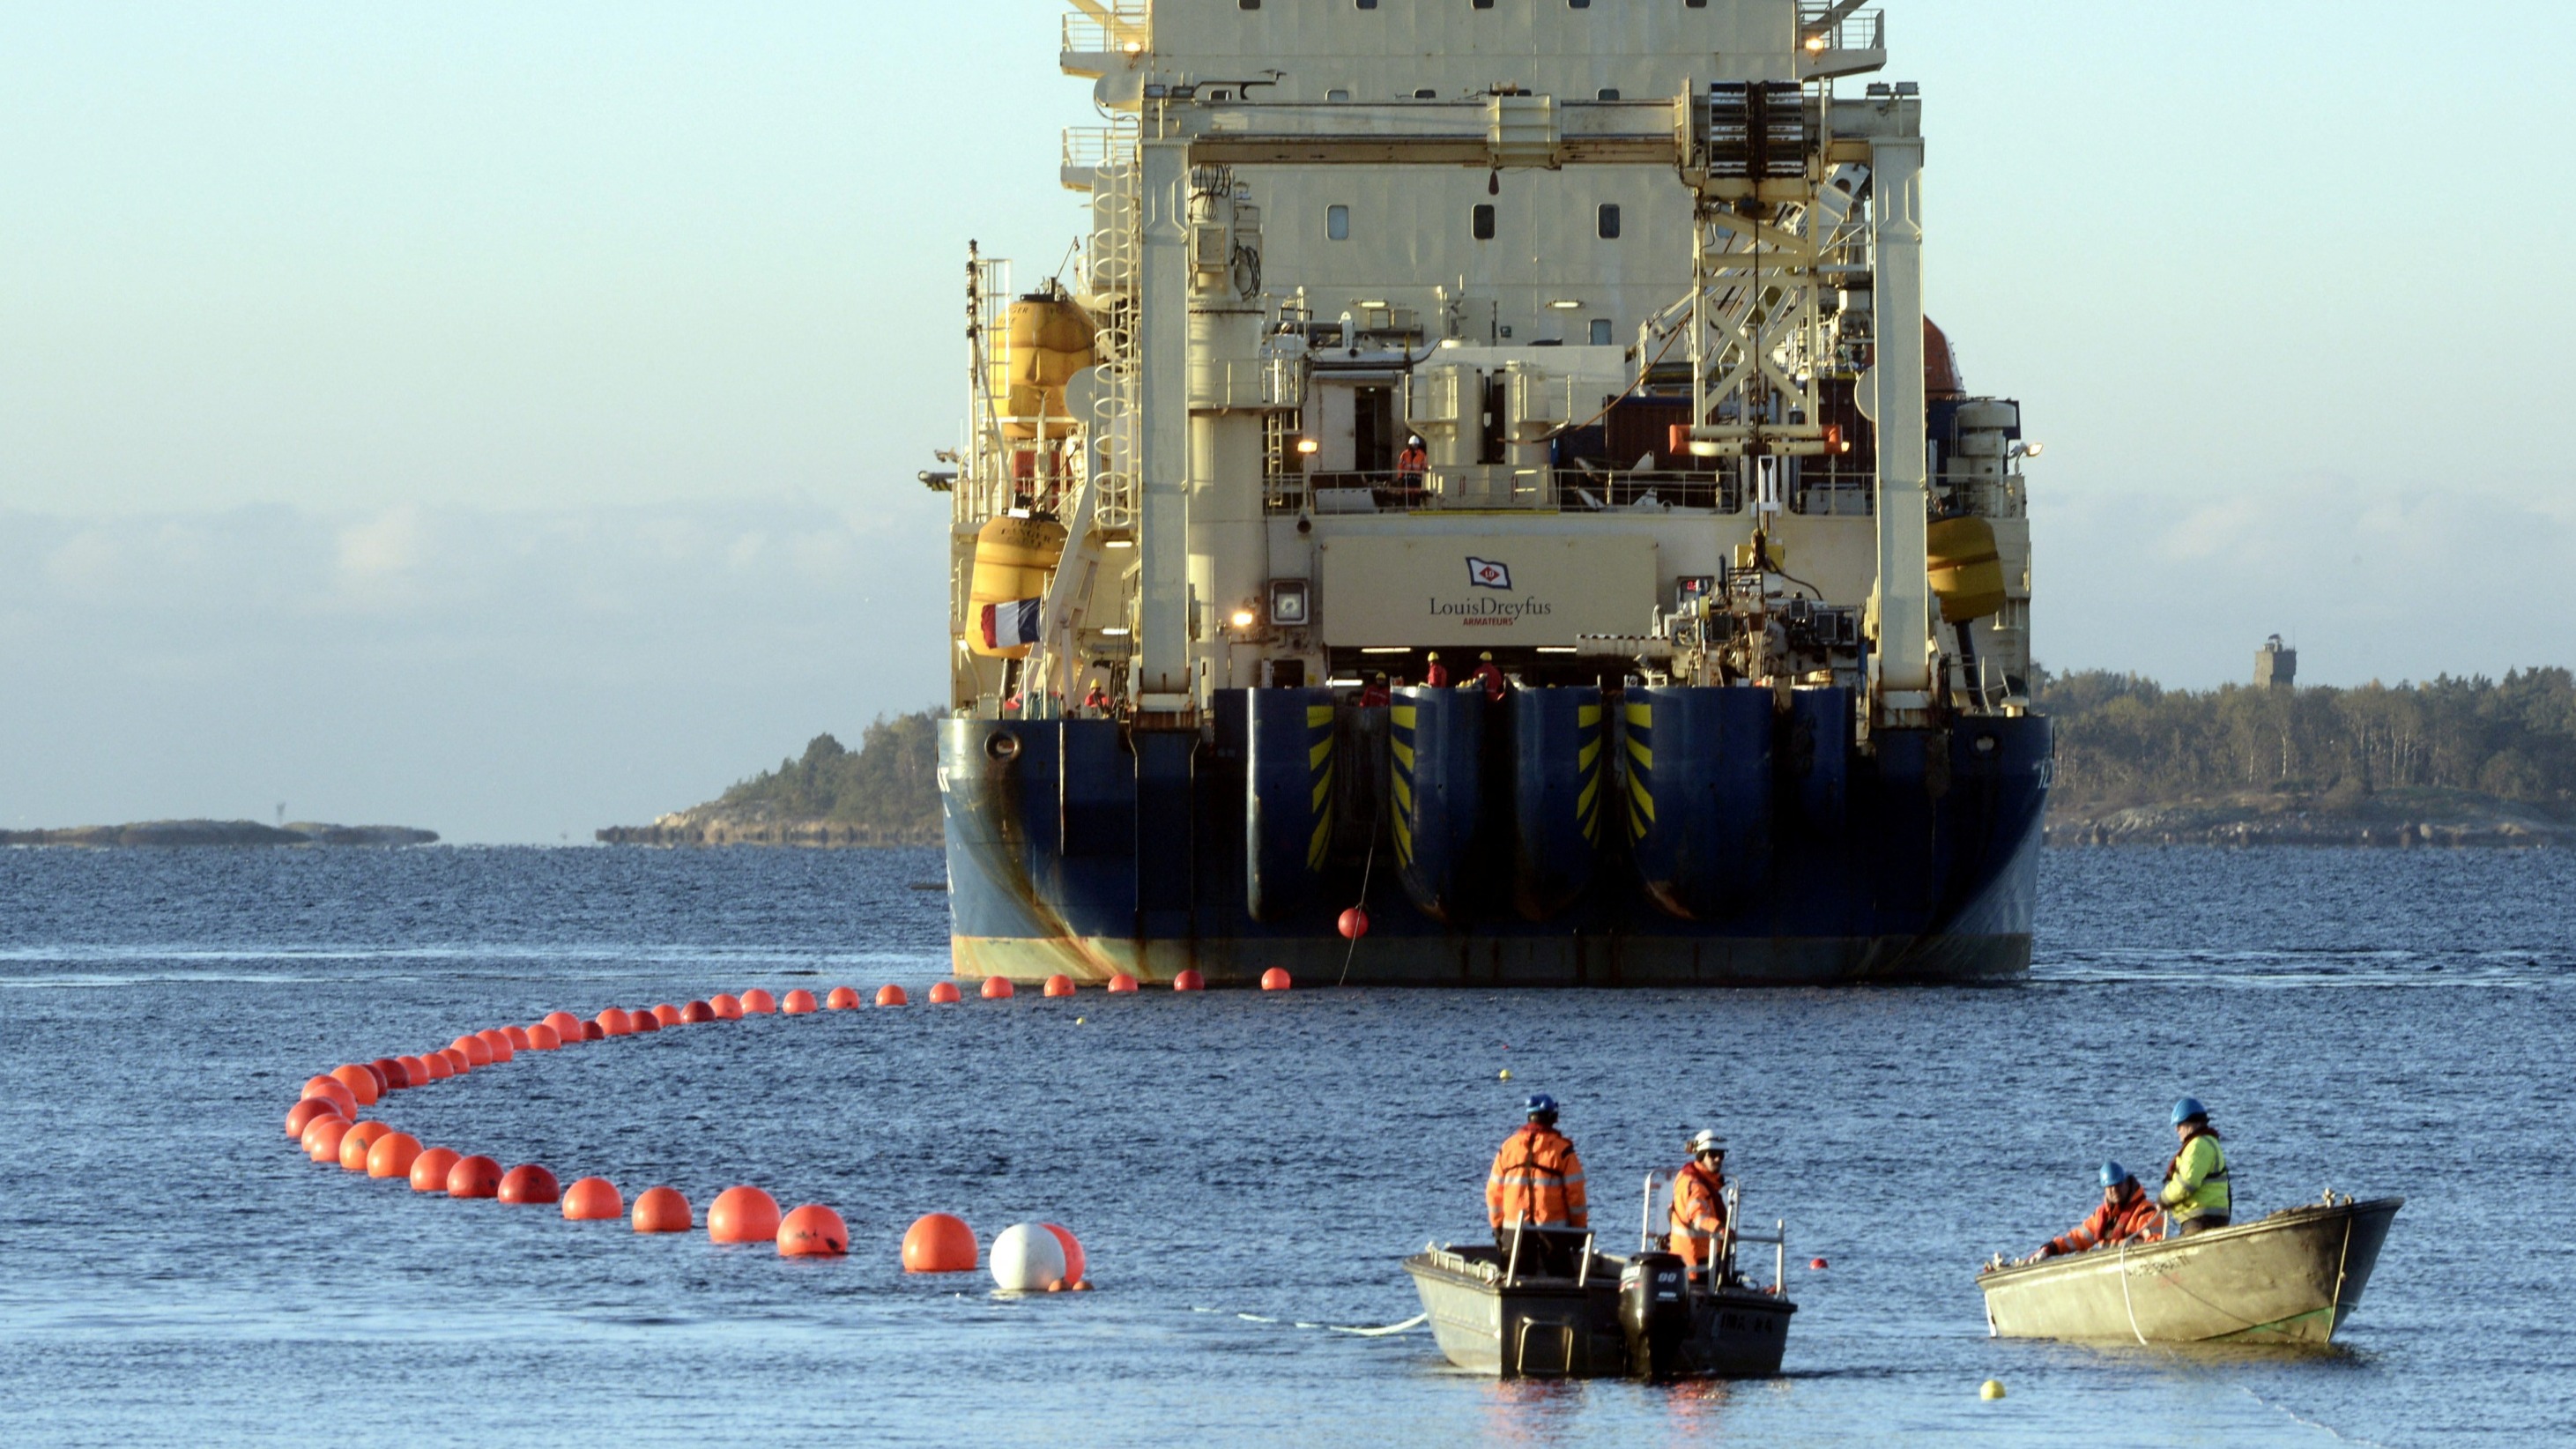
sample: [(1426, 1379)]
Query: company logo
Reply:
[(1485, 573)]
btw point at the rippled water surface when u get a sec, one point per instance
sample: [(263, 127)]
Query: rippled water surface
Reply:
[(172, 1271)]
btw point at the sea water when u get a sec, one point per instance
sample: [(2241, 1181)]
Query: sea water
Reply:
[(1245, 1169)]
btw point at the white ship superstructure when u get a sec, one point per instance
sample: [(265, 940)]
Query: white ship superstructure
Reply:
[(1643, 276)]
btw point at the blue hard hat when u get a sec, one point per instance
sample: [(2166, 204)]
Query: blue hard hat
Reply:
[(1539, 1102), (2188, 1108), (2113, 1174)]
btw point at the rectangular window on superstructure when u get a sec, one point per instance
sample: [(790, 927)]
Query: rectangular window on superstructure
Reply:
[(1608, 93), (1607, 223), (1578, 4), (1367, 4), (1483, 221), (1481, 5), (1600, 331), (1247, 4), (1337, 223)]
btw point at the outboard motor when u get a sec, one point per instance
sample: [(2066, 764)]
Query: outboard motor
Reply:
[(1654, 1313)]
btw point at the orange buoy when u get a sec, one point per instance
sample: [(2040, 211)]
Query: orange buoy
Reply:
[(355, 1142), (697, 1012), (477, 1050), (1275, 979), (996, 988), (892, 996), (813, 1231), (437, 1066), (567, 1026), (392, 1155), (543, 1038), (361, 1083), (304, 1111), (645, 1019), (841, 999), (1121, 981), (756, 1001), (742, 1214), (728, 1006), (939, 1243), (458, 1063), (797, 1003), (529, 1186), (942, 992), (476, 1176), (1059, 985), (1074, 1262), (1353, 924), (429, 1170), (334, 1091), (517, 1036), (669, 1015), (661, 1210), (417, 1068), (498, 1043), (394, 1076), (592, 1199), (382, 1084), (1189, 980), (593, 1031), (321, 1139), (612, 1022)]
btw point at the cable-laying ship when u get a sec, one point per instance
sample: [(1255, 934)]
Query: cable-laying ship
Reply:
[(1584, 338)]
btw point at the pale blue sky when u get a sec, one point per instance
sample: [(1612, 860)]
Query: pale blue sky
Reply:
[(502, 418)]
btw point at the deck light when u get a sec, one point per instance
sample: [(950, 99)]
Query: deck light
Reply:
[(1242, 618), (1307, 445)]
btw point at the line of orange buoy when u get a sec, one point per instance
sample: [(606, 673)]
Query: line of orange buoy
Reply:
[(325, 1125)]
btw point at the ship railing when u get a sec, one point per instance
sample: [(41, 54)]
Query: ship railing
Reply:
[(1556, 490), (1103, 28), (1857, 30)]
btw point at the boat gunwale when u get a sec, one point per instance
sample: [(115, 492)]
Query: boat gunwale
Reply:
[(2072, 1264)]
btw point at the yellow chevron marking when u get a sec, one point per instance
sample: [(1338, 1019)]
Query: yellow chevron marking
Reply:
[(1403, 753), (1403, 798), (1645, 801), (1318, 714), (1587, 714), (1401, 716), (1403, 841), (1323, 788), (1591, 787), (1642, 753), (1315, 846), (1584, 757), (1642, 715), (1316, 752)]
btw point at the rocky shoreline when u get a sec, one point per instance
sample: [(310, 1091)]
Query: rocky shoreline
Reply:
[(2398, 819), (171, 833), (710, 825)]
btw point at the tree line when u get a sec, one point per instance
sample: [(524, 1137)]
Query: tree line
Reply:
[(2122, 739), (889, 784)]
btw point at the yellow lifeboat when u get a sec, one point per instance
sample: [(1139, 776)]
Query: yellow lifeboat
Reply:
[(1013, 557), (1967, 573), (1046, 339)]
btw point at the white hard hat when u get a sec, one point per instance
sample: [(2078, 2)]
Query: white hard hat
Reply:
[(1706, 1140), (1413, 442)]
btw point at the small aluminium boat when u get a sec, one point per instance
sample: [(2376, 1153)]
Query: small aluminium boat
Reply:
[(1554, 1306), (2290, 1278)]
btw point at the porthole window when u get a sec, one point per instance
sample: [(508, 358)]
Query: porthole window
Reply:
[(1483, 222), (1337, 223), (1607, 223)]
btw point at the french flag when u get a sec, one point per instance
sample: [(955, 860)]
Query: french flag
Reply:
[(1010, 625)]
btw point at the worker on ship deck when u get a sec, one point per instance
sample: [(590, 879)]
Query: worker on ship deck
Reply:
[(1375, 694), (1411, 464), (1097, 701), (1699, 1201), (1435, 675), (1537, 1182), (1490, 677), (2195, 1194), (2126, 1215)]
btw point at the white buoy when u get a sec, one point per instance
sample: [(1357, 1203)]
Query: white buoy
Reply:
[(1026, 1258)]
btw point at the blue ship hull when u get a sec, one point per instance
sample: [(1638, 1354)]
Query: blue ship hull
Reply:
[(1664, 837)]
